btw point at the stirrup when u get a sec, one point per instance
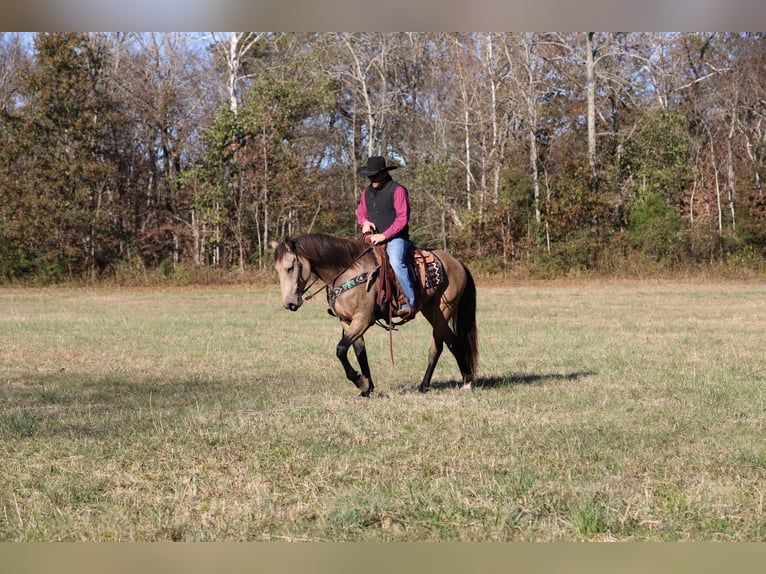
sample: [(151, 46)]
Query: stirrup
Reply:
[(405, 311)]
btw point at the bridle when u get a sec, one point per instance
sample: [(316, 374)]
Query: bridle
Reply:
[(302, 288), (301, 285)]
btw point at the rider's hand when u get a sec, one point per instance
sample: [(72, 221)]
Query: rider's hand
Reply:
[(368, 227), (377, 239)]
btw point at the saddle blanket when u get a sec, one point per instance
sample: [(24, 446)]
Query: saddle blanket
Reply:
[(429, 268)]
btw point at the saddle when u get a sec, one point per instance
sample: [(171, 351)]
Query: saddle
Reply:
[(426, 272)]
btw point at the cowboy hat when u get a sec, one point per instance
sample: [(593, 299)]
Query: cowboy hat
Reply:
[(375, 164)]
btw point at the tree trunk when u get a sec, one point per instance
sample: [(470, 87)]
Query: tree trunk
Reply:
[(466, 127), (196, 238), (590, 70), (233, 62), (717, 187), (730, 175)]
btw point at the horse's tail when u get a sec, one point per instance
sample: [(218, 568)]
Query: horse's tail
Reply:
[(464, 325)]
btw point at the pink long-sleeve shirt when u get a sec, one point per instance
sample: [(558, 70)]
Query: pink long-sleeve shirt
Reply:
[(401, 206)]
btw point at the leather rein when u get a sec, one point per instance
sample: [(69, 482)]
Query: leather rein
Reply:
[(303, 289)]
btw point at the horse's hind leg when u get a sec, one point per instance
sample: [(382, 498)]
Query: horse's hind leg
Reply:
[(454, 345), (442, 333), (437, 346), (352, 336)]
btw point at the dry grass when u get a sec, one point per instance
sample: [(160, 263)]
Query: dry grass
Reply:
[(607, 411)]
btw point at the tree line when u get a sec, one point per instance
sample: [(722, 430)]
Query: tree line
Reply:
[(122, 153)]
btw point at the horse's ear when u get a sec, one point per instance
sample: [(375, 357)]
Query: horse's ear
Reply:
[(290, 244), (273, 244)]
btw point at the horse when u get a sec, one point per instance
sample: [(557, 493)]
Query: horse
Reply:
[(348, 269)]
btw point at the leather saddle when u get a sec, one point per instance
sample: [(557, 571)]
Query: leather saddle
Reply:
[(426, 272)]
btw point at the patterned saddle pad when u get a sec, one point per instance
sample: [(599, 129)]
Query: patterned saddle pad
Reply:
[(428, 267)]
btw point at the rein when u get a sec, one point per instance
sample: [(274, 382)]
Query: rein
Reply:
[(330, 281), (355, 281)]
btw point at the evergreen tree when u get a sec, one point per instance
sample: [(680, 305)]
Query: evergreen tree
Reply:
[(62, 176)]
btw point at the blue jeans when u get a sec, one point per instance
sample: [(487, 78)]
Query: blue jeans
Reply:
[(397, 251)]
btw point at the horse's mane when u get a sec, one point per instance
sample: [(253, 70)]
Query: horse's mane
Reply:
[(329, 251)]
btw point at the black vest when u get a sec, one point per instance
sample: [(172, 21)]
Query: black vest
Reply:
[(380, 207)]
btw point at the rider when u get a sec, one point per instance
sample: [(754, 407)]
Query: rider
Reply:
[(384, 209)]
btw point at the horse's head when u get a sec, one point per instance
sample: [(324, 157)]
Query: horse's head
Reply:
[(293, 271)]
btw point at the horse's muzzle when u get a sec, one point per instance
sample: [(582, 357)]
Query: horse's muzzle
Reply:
[(294, 305)]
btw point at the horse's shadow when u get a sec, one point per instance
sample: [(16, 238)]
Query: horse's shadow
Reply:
[(513, 380)]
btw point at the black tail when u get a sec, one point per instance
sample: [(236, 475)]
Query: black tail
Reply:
[(464, 325)]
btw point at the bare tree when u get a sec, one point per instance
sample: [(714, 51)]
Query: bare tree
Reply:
[(13, 59), (161, 78), (467, 103), (520, 51), (233, 48)]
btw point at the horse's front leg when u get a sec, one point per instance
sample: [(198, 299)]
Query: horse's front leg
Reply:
[(353, 336), (361, 356)]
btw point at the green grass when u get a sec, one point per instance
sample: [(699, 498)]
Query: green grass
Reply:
[(605, 411)]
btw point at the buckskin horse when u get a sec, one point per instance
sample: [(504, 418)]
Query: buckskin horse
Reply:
[(350, 270)]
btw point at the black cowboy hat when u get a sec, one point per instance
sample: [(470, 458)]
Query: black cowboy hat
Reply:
[(375, 164)]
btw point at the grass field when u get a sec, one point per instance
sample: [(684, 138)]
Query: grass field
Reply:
[(605, 411)]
